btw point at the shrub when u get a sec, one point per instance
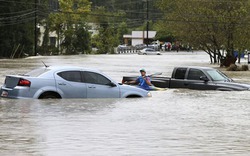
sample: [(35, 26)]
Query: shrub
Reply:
[(244, 68), (232, 67)]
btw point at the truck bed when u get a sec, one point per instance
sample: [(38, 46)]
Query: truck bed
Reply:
[(157, 81)]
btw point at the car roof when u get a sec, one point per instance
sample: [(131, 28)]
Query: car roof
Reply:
[(70, 68), (50, 70), (197, 67)]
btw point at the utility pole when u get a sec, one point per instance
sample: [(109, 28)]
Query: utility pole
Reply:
[(35, 30)]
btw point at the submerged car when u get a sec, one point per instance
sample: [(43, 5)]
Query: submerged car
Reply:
[(66, 82), (149, 51)]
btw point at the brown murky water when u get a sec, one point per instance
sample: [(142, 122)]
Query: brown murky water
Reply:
[(172, 122)]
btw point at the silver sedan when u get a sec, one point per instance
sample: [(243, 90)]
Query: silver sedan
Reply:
[(66, 82), (149, 51)]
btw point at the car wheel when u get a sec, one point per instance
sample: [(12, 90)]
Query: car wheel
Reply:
[(50, 95), (133, 96), (144, 54)]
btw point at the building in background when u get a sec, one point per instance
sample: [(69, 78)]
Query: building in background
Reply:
[(139, 37)]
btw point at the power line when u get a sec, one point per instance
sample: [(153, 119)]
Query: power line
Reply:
[(18, 22), (9, 1), (17, 16), (18, 12)]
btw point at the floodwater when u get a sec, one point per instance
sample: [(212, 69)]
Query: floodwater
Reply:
[(172, 122)]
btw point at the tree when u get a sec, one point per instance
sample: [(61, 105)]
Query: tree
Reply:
[(121, 30), (67, 21), (209, 25), (108, 30), (82, 40), (121, 16), (17, 28)]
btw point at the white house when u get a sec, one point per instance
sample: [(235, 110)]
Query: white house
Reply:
[(138, 37)]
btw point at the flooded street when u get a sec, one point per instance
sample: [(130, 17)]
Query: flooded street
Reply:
[(172, 122)]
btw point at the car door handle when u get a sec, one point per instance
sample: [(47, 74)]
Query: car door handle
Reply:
[(91, 86), (61, 84)]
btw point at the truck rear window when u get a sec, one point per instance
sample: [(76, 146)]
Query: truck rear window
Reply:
[(180, 73)]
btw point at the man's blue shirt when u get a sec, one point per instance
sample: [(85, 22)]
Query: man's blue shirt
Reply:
[(142, 83)]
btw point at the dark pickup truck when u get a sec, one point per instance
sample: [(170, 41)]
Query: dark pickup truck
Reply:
[(198, 78)]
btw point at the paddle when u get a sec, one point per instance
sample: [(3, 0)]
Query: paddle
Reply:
[(158, 73)]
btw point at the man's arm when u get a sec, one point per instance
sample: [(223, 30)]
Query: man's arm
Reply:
[(147, 79), (130, 82)]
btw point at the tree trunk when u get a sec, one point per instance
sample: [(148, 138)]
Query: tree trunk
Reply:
[(215, 56), (228, 61), (239, 56)]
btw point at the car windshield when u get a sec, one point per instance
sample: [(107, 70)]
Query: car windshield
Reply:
[(37, 72), (217, 75)]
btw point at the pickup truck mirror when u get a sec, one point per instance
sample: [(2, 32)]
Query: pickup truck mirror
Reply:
[(204, 78)]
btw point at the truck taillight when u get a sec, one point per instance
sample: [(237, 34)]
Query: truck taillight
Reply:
[(23, 82)]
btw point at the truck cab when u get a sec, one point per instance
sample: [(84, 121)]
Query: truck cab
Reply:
[(188, 77)]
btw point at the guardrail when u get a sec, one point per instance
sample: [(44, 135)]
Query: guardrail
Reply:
[(126, 50)]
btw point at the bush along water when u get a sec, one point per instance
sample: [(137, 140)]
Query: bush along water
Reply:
[(234, 67)]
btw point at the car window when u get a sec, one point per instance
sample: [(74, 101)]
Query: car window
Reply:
[(195, 74), (74, 76), (95, 78), (216, 75), (149, 50), (180, 73)]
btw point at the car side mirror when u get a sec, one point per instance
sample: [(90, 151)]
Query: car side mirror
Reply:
[(204, 78)]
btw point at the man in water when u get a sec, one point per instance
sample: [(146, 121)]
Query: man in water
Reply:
[(143, 81)]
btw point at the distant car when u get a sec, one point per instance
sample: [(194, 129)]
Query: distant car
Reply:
[(122, 46), (66, 82), (149, 51), (140, 46)]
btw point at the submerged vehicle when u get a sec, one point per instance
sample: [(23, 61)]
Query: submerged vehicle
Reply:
[(198, 78), (66, 82)]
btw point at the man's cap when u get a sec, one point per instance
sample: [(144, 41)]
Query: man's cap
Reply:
[(142, 70)]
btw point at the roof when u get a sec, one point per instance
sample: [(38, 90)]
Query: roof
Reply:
[(70, 68), (196, 67), (140, 34)]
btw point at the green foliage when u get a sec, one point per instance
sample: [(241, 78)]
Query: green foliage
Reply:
[(209, 24), (114, 18), (122, 29), (68, 23), (82, 40), (109, 34), (162, 33), (119, 17), (16, 28)]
